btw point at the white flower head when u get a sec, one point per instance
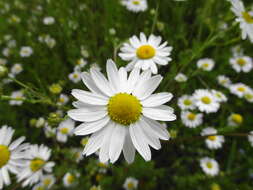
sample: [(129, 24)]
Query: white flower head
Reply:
[(205, 64), (16, 69), (40, 122), (26, 51), (235, 119), (180, 77), (48, 20), (209, 166), (130, 183), (146, 53), (64, 130), (241, 64), (135, 5), (220, 97), (186, 102), (75, 77), (191, 120), (18, 97), (121, 113), (239, 89), (249, 95), (213, 141), (63, 99), (69, 179)]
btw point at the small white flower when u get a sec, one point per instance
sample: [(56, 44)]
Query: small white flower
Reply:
[(50, 41), (18, 97), (130, 183), (181, 77), (186, 102), (239, 89), (81, 63), (49, 131), (241, 64), (220, 97), (191, 119), (249, 95), (48, 181), (75, 77), (69, 179), (26, 51), (16, 69), (135, 5), (235, 119), (64, 130), (213, 141), (205, 64), (49, 20), (40, 122), (6, 52), (237, 51), (63, 99), (77, 154), (209, 166)]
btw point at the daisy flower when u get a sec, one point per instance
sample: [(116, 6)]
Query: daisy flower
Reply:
[(26, 51), (12, 155), (63, 99), (69, 179), (40, 122), (249, 95), (48, 181), (213, 141), (241, 64), (16, 69), (209, 166), (191, 119), (237, 51), (206, 101), (18, 97), (250, 138), (49, 131), (77, 154), (38, 187), (224, 81), (181, 77), (121, 113), (64, 130), (186, 102), (75, 77), (244, 18), (235, 119), (48, 20), (36, 165), (205, 64), (80, 63), (146, 53), (135, 5), (239, 89), (130, 183), (220, 97)]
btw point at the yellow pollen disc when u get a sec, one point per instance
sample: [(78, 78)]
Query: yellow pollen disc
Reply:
[(187, 102), (102, 165), (212, 138), (191, 116), (130, 185), (64, 130), (247, 17), (47, 182), (36, 164), (237, 118), (145, 52), (241, 89), (75, 76), (241, 62), (5, 155), (62, 100), (209, 165), (124, 108), (205, 65), (249, 96), (70, 179), (136, 2), (206, 100)]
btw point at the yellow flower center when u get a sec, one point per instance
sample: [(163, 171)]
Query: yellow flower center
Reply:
[(187, 102), (191, 116), (124, 108), (145, 52), (206, 100), (5, 155), (241, 62), (102, 165), (47, 182), (209, 165), (249, 96), (61, 100), (70, 179), (40, 188), (205, 65), (241, 89), (130, 185), (237, 118), (36, 164), (136, 2), (212, 138), (247, 17), (64, 130), (75, 75)]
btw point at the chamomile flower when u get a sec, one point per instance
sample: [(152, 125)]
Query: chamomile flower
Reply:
[(16, 69), (36, 166), (250, 138), (249, 95), (191, 119), (38, 187), (49, 131), (220, 97), (205, 64), (209, 166), (12, 155), (186, 102), (80, 63), (239, 89), (69, 179), (26, 51), (121, 113), (130, 183), (75, 77), (40, 122), (18, 97), (235, 119), (77, 154), (180, 77), (63, 99), (213, 141), (241, 64), (206, 101), (48, 20), (237, 51), (48, 181), (135, 5), (64, 130), (244, 18), (146, 53)]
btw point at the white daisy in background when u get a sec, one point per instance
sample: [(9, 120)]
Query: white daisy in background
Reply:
[(64, 130), (191, 119), (26, 51), (62, 100), (146, 53), (220, 97), (49, 131), (69, 179), (121, 113), (206, 101), (48, 20), (249, 95), (245, 19), (48, 181), (180, 77), (241, 64), (12, 155), (209, 166), (80, 63), (38, 187), (40, 122), (130, 183), (224, 81), (135, 5), (77, 154), (95, 66), (213, 141), (186, 102), (235, 119), (50, 42), (205, 64), (6, 52), (75, 77), (250, 138), (18, 97), (16, 69), (237, 51), (36, 166), (239, 89)]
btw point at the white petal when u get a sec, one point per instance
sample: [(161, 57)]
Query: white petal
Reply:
[(157, 99), (16, 143), (112, 74), (88, 115), (89, 83), (133, 79), (6, 177), (161, 113), (128, 148), (123, 79)]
